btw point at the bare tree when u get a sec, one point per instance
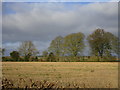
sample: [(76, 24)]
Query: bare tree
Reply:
[(27, 49)]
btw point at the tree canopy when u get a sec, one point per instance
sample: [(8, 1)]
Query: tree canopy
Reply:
[(56, 46), (74, 43), (102, 43), (15, 55)]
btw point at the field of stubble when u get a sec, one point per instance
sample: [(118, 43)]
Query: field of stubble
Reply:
[(60, 74)]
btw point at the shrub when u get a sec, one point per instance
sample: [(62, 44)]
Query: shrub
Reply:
[(51, 57)]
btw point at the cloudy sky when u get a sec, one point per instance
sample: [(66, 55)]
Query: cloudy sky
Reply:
[(42, 22)]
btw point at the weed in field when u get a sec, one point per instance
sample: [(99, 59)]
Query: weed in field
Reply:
[(92, 70), (23, 83)]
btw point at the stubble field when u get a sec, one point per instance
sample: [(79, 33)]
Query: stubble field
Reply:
[(62, 74)]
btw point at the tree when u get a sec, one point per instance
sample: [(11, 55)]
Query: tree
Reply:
[(0, 51), (115, 45), (3, 51), (74, 44), (15, 55), (44, 53), (101, 42), (56, 46), (27, 49), (51, 57)]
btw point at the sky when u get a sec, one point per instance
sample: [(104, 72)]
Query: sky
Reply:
[(42, 22), (60, 0)]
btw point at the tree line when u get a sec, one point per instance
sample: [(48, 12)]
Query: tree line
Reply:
[(102, 44)]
